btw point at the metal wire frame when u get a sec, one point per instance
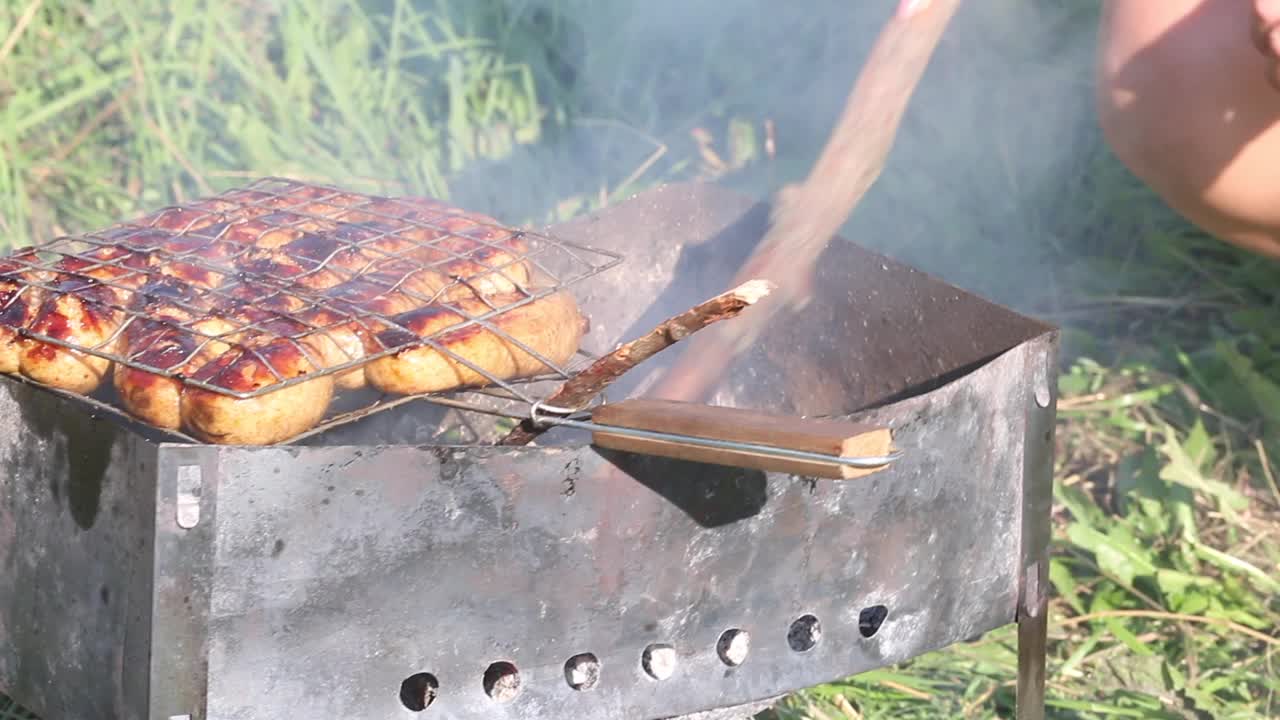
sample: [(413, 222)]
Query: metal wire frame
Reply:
[(374, 406), (274, 205), (524, 407)]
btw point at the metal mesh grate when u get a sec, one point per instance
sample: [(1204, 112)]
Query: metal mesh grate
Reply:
[(281, 282)]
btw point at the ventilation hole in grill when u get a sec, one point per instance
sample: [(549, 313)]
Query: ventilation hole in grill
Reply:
[(417, 692), (870, 619), (582, 671), (659, 661), (733, 647), (502, 682), (804, 634)]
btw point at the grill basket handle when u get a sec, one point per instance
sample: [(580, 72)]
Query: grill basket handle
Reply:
[(823, 448)]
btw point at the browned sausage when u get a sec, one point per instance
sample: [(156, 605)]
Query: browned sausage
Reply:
[(175, 334), (19, 299), (200, 336), (266, 418), (88, 301), (348, 323), (551, 326), (382, 286), (283, 282), (83, 308)]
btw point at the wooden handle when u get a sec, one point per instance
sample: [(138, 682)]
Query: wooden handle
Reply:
[(834, 438)]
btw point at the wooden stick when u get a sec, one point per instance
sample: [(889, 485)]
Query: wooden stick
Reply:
[(580, 389), (807, 216)]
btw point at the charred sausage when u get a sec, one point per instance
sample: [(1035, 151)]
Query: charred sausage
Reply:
[(19, 298), (552, 326)]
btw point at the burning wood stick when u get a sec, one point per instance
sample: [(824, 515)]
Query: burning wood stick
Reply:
[(580, 389), (807, 216)]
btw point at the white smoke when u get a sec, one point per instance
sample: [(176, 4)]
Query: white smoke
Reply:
[(999, 136)]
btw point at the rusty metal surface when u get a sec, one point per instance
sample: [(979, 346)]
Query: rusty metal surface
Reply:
[(183, 581), (338, 574), (1037, 491), (76, 518), (310, 581)]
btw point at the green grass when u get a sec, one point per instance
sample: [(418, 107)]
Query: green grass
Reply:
[(111, 107), (1167, 521)]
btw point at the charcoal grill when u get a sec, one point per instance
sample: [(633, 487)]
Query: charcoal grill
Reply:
[(361, 571)]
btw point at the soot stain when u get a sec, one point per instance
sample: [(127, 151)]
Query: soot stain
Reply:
[(572, 469), (711, 495), (88, 452), (277, 548)]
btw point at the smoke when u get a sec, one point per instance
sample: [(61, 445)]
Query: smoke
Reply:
[(988, 185), (979, 188)]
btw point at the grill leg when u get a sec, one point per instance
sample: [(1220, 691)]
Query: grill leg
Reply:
[(1033, 634), (1037, 505)]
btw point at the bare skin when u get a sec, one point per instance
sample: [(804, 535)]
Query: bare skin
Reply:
[(1188, 99)]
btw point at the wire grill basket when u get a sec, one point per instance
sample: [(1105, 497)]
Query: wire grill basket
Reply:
[(275, 284)]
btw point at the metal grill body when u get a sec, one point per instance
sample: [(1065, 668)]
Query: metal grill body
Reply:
[(151, 581)]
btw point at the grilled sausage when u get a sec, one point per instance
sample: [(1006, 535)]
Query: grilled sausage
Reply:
[(84, 308), (434, 234), (79, 313), (345, 330), (482, 271), (346, 326), (339, 341), (86, 300), (174, 334), (384, 284), (231, 346), (263, 419), (551, 326), (175, 315), (18, 302), (285, 282), (199, 214), (86, 303), (154, 398)]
